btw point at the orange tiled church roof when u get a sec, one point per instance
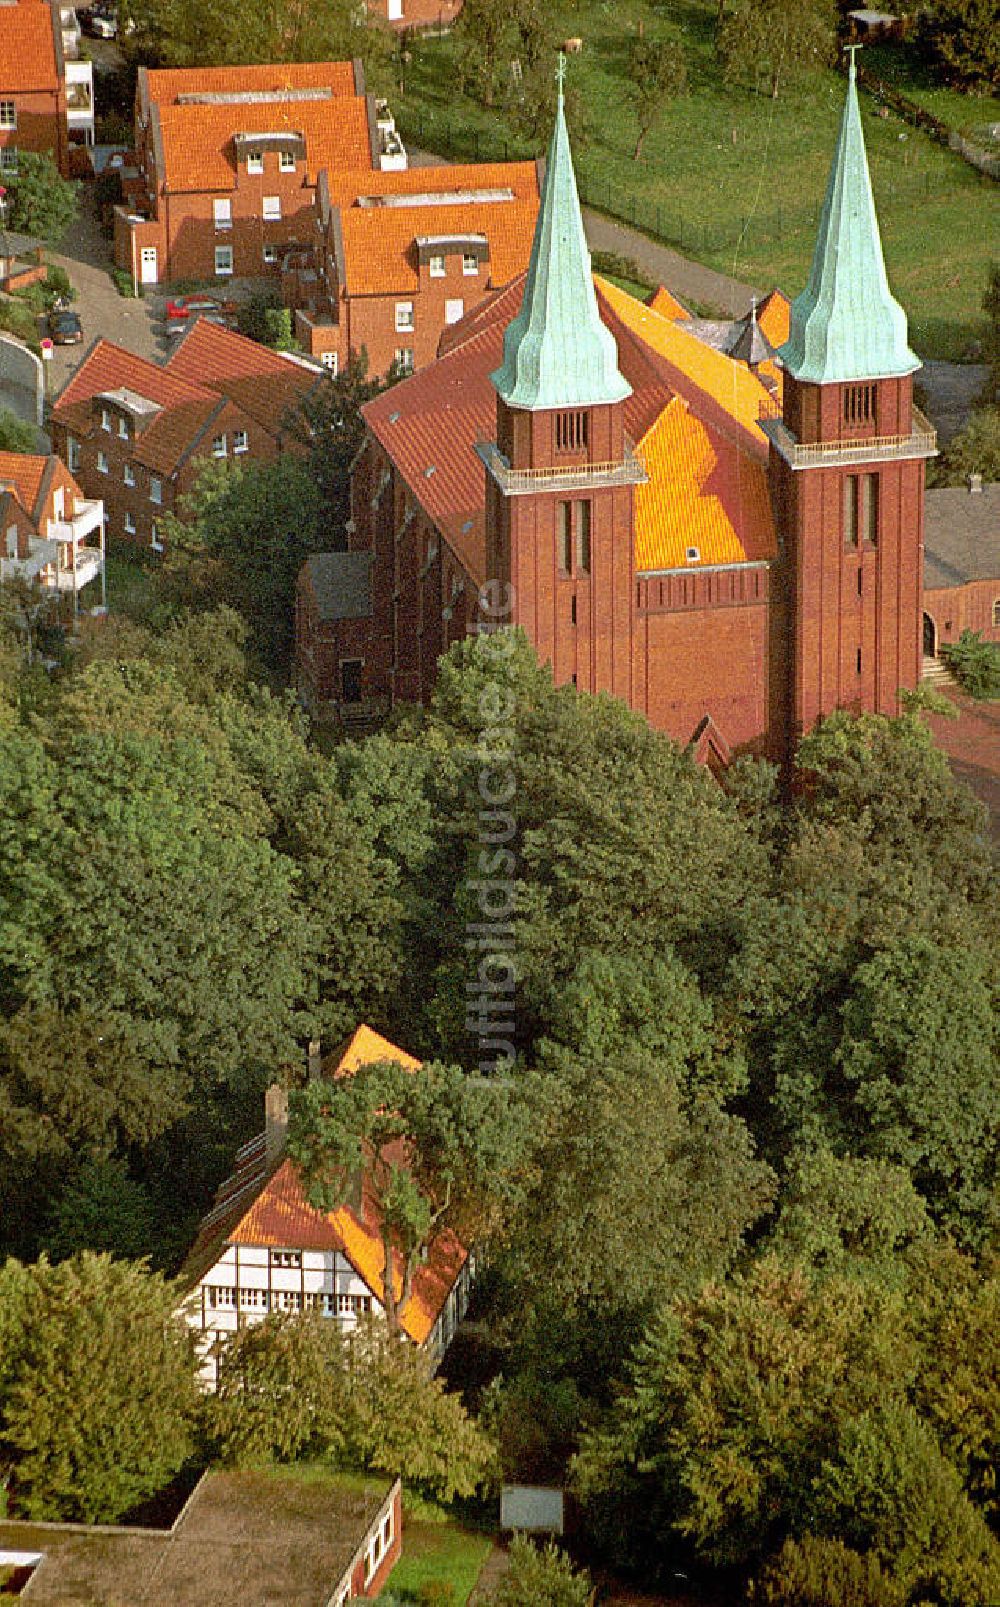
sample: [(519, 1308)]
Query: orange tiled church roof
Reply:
[(693, 415), (270, 1209)]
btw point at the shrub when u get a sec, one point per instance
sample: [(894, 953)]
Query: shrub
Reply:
[(263, 317), (15, 434), (814, 1572), (16, 318), (975, 664), (124, 283), (540, 1576)]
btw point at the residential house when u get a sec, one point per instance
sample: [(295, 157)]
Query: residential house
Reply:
[(136, 432), (961, 564), (46, 90), (397, 258), (423, 15), (228, 161), (49, 531), (733, 548), (264, 1248), (244, 1538)]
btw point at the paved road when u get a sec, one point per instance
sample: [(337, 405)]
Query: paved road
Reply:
[(86, 257)]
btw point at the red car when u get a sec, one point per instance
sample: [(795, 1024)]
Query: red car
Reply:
[(191, 306)]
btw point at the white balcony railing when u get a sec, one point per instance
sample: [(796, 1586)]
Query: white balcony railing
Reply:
[(629, 470), (921, 442), (86, 519)]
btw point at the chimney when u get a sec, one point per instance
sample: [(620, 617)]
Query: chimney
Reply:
[(275, 1123), (975, 485), (314, 1060)]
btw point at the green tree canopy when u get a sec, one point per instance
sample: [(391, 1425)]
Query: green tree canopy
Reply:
[(541, 1576), (657, 71), (97, 1389), (774, 37), (16, 435), (962, 38), (39, 201)]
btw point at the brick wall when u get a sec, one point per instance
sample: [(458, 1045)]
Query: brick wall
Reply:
[(970, 607)]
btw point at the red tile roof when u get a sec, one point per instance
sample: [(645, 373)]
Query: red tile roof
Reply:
[(198, 149), (379, 241), (27, 50), (165, 84), (210, 364), (24, 473), (256, 1208)]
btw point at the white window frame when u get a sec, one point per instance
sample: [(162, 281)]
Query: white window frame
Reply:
[(437, 266), (241, 441), (222, 212), (470, 264), (72, 453), (330, 360), (286, 161), (102, 463), (123, 429), (219, 446), (403, 359), (156, 489), (105, 419), (270, 208), (222, 253), (129, 523), (8, 116), (129, 474), (270, 255), (154, 537), (255, 161), (8, 159), (404, 318), (454, 309)]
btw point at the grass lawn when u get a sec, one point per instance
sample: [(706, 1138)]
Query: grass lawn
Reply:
[(440, 1551), (733, 178)]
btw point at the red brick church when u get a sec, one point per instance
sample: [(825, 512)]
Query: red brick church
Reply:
[(728, 537)]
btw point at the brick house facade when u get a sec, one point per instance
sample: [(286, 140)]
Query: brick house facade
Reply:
[(136, 433), (228, 161), (962, 566), (46, 90), (399, 257), (50, 531)]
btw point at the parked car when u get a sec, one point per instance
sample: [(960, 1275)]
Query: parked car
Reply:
[(65, 328), (101, 22), (191, 306)]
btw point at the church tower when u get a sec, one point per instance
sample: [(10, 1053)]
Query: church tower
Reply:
[(847, 464), (560, 476)]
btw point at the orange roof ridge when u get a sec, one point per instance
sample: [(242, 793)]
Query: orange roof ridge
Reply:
[(726, 390), (365, 1047), (215, 353), (666, 304), (164, 83)]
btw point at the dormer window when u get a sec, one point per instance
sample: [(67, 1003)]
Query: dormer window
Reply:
[(286, 162), (436, 266), (123, 428), (255, 161), (572, 433), (105, 418), (470, 263)]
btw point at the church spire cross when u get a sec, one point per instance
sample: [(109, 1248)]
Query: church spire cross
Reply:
[(846, 324), (557, 352)]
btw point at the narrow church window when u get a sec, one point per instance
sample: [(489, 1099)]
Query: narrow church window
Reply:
[(859, 405), (859, 661), (572, 610), (571, 432), (583, 537), (869, 508), (850, 510), (564, 536), (996, 614)]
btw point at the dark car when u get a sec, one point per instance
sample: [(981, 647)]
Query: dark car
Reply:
[(65, 328)]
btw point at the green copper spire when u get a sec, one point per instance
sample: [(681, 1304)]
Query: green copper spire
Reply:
[(557, 352), (846, 324)]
